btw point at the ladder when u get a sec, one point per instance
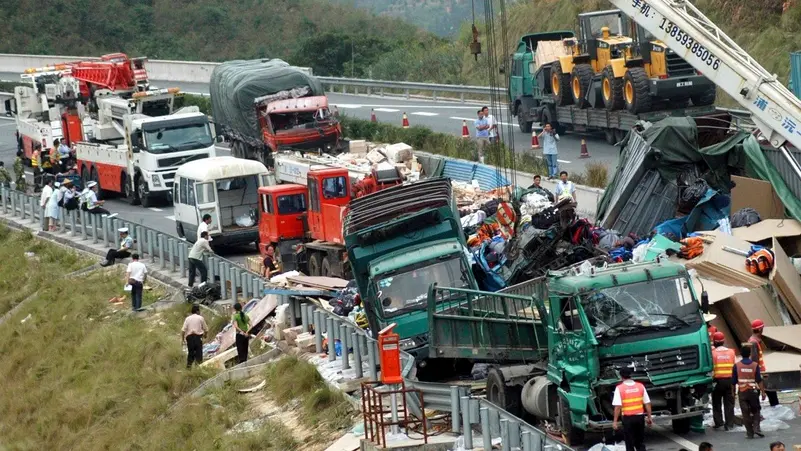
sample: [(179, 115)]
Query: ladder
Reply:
[(689, 33)]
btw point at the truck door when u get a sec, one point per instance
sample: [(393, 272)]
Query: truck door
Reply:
[(573, 351), (516, 77), (205, 198), (267, 221)]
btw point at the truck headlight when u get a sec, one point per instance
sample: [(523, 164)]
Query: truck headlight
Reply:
[(156, 180), (407, 343)]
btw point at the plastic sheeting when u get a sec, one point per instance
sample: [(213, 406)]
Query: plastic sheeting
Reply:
[(235, 85), (760, 167)]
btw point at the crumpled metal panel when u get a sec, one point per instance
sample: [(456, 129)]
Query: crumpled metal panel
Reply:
[(652, 202), (629, 168), (461, 171)]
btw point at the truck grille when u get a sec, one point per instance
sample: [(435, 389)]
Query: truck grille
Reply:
[(655, 363), (167, 162), (676, 66)]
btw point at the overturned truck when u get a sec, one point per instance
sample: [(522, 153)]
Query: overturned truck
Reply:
[(263, 106)]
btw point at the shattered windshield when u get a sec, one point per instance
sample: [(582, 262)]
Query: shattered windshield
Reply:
[(409, 289), (653, 305)]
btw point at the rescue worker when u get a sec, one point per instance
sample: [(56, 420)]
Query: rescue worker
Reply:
[(19, 171), (747, 382), (124, 251), (758, 351), (36, 165), (632, 402), (5, 177), (723, 364), (93, 205)]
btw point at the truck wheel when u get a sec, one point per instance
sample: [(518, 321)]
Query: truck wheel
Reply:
[(635, 91), (560, 86), (609, 135), (523, 119), (706, 98), (328, 267), (681, 426), (141, 191), (315, 265), (612, 89), (580, 80), (503, 396), (101, 194), (128, 192), (574, 435)]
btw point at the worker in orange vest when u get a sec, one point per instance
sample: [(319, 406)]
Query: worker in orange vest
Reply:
[(723, 364), (747, 382), (632, 402), (758, 351)]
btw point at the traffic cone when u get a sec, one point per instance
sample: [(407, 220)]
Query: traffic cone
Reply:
[(465, 130), (584, 153), (372, 116), (405, 122), (535, 141)]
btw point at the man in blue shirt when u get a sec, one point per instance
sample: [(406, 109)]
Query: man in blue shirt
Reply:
[(482, 135), (548, 139), (747, 381)]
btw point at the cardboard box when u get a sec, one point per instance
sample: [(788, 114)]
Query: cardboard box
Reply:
[(786, 281), (740, 309), (358, 147), (255, 264), (732, 341), (757, 194), (548, 52)]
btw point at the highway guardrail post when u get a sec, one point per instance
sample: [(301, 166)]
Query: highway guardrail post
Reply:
[(234, 285), (371, 361), (495, 422), (13, 204), (343, 344), (369, 91), (381, 92), (505, 445), (162, 262), (486, 437), (514, 434), (24, 202), (171, 252), (106, 240), (467, 430), (259, 287), (115, 226), (318, 331), (83, 225), (72, 223), (244, 280), (42, 219), (535, 442), (455, 424), (94, 229), (138, 236), (434, 95), (150, 234), (406, 93), (332, 352), (212, 267), (461, 97), (357, 355), (223, 281), (182, 257), (62, 223), (526, 438), (3, 200), (304, 318)]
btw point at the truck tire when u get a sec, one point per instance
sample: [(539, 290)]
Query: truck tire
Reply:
[(503, 396), (574, 435), (128, 193), (612, 90), (681, 426), (580, 80), (315, 264), (141, 192), (560, 86), (635, 91), (329, 267), (523, 120), (706, 98)]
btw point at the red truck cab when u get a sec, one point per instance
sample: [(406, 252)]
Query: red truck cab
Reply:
[(304, 223), (300, 123)]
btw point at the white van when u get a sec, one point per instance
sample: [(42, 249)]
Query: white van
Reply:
[(225, 188)]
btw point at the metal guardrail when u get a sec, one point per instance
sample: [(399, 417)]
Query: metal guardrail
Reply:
[(380, 87), (358, 349)]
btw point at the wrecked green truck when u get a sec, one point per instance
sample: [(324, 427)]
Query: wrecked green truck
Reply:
[(558, 351)]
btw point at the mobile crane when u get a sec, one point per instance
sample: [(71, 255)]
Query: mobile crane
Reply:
[(688, 32)]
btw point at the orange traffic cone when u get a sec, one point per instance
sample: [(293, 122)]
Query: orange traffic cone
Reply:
[(372, 116), (405, 122), (465, 130), (535, 141), (584, 152)]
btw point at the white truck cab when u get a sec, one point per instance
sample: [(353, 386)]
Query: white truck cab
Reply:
[(226, 188)]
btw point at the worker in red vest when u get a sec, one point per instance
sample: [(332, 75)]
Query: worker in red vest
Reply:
[(723, 364), (758, 351), (747, 382), (631, 400)]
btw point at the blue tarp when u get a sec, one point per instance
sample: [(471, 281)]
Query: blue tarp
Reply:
[(713, 207)]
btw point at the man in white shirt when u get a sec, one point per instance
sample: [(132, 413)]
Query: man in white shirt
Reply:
[(192, 334), (565, 188), (200, 248), (135, 276), (493, 126), (204, 226), (47, 191)]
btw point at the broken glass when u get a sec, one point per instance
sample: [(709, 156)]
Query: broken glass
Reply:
[(409, 289)]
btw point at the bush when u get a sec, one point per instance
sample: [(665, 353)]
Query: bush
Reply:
[(202, 102)]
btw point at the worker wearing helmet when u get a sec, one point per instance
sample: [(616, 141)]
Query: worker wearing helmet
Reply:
[(723, 365), (758, 352)]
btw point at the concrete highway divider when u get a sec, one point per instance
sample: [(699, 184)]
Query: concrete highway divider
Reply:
[(166, 256)]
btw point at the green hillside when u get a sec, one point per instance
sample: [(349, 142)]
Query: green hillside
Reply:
[(443, 17)]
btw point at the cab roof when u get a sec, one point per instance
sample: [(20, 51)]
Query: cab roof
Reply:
[(298, 104), (218, 168), (614, 275), (283, 188)]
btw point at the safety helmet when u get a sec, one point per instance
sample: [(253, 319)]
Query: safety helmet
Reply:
[(718, 337), (757, 324)]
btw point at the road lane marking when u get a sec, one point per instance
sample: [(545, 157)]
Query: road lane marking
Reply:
[(387, 110), (662, 430), (155, 209), (170, 218), (424, 113), (347, 105), (7, 124), (471, 119), (404, 107)]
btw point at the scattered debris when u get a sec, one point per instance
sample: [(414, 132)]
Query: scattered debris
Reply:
[(254, 388)]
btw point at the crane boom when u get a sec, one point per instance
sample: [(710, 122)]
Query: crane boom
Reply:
[(689, 33)]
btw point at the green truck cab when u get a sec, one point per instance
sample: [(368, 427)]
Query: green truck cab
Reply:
[(400, 241), (561, 348)]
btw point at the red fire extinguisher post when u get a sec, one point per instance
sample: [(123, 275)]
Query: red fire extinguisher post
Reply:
[(389, 347)]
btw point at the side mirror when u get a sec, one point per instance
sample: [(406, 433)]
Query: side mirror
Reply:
[(386, 302), (705, 302), (219, 139)]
